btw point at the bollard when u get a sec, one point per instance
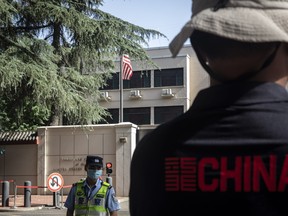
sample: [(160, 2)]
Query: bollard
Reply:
[(109, 180), (27, 194), (5, 193), (56, 198)]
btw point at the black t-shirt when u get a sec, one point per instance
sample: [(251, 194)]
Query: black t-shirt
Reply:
[(227, 155)]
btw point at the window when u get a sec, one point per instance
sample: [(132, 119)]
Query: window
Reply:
[(139, 79), (168, 77), (113, 119), (164, 114), (112, 83), (138, 116)]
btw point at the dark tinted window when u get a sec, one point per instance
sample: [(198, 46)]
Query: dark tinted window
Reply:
[(112, 83), (138, 116), (114, 118), (168, 77), (164, 114), (139, 79)]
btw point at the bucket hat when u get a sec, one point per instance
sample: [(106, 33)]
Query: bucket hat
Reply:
[(242, 20)]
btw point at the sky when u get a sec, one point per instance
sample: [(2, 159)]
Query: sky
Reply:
[(165, 16)]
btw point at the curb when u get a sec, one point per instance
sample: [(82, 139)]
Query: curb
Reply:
[(39, 207), (12, 209)]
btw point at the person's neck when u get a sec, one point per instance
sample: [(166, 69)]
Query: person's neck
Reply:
[(280, 81), (91, 182), (276, 72)]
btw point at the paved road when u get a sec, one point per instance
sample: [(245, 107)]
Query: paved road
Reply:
[(60, 212)]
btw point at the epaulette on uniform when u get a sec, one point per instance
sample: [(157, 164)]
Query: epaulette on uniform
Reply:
[(107, 184), (81, 181)]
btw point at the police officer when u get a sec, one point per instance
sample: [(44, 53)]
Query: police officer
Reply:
[(92, 196)]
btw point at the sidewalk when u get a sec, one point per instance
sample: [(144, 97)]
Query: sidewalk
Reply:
[(37, 202)]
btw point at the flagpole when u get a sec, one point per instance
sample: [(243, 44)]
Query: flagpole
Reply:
[(121, 90)]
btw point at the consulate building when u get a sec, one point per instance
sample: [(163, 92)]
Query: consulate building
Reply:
[(154, 95)]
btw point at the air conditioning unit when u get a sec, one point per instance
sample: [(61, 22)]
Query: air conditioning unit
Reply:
[(135, 94), (105, 96), (167, 93)]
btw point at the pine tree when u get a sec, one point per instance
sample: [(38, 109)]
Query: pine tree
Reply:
[(54, 57)]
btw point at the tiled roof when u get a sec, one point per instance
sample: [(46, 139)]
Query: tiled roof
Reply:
[(23, 137)]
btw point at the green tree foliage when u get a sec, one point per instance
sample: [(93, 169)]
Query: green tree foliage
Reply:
[(54, 57)]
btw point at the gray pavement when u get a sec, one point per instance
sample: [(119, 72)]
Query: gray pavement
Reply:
[(49, 211)]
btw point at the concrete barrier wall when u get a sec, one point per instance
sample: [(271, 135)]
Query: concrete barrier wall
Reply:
[(64, 149)]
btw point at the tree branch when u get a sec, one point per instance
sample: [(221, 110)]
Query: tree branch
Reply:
[(27, 28), (25, 50)]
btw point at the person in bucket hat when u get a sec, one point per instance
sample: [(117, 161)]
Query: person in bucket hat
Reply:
[(228, 154), (91, 195)]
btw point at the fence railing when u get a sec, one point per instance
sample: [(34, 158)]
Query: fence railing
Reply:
[(27, 193)]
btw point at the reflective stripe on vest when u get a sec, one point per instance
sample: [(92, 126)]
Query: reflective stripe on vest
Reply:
[(94, 206)]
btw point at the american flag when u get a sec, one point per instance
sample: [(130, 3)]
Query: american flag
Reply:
[(127, 71)]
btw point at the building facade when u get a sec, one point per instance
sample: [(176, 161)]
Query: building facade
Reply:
[(156, 94)]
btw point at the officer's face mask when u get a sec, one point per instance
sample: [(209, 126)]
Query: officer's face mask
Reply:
[(94, 174)]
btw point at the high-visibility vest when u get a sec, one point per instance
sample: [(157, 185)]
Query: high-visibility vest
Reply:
[(94, 206)]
